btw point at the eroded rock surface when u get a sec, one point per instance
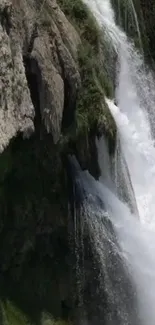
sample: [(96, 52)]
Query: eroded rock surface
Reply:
[(38, 71), (16, 109)]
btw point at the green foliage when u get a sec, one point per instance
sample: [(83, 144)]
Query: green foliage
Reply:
[(83, 20), (33, 225), (95, 84), (11, 315), (91, 107)]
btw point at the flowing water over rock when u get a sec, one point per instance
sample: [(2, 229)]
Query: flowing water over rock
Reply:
[(107, 293), (115, 255), (135, 97), (116, 172), (129, 239)]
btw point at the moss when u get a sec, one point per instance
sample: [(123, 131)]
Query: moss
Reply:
[(92, 110), (12, 315), (96, 81), (81, 17), (34, 211)]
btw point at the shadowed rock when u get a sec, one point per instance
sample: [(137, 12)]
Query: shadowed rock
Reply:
[(107, 295)]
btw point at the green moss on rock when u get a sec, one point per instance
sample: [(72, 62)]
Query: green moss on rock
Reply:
[(34, 200), (81, 17), (91, 106), (91, 109), (12, 315)]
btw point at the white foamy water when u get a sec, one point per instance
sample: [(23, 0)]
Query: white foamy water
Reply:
[(139, 151), (138, 246), (135, 117), (135, 97)]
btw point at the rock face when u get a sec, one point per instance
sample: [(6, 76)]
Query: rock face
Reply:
[(16, 109), (50, 72), (37, 67), (106, 293), (134, 15), (39, 81), (148, 23)]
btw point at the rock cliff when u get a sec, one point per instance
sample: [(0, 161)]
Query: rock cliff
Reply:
[(53, 79), (55, 70), (38, 67)]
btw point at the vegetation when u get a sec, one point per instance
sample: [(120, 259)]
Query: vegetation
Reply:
[(91, 110), (78, 13), (91, 106), (11, 315), (34, 252), (33, 191)]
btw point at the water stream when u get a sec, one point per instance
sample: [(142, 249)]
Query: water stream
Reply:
[(134, 116)]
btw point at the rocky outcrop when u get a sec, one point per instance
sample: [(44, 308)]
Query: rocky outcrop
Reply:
[(16, 109), (39, 80), (52, 92), (38, 67)]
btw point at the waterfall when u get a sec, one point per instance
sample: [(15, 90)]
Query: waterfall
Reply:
[(132, 243), (136, 21), (109, 296), (137, 245), (123, 250), (129, 10), (116, 170), (134, 114), (136, 240)]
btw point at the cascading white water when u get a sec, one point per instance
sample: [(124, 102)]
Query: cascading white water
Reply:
[(116, 173), (104, 215), (113, 299), (138, 247), (137, 243), (135, 98), (135, 118), (139, 151)]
